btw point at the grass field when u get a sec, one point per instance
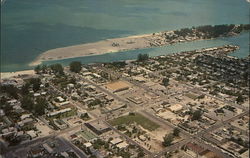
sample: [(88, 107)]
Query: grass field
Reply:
[(87, 135), (139, 119)]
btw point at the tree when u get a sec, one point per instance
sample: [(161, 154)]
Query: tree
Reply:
[(25, 89), (176, 132), (197, 115), (3, 101), (27, 103), (201, 96), (72, 80), (165, 81), (39, 107), (75, 66), (44, 68), (10, 89), (57, 68), (140, 153), (240, 99), (142, 57), (84, 116), (168, 139), (37, 69), (36, 82), (7, 109)]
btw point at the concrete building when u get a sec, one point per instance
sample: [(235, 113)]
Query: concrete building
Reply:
[(175, 107), (98, 127)]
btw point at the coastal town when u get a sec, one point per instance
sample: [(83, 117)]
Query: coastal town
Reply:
[(182, 105)]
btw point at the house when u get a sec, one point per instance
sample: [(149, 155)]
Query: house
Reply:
[(2, 113), (60, 99), (96, 75), (87, 145), (37, 94), (25, 122), (47, 148), (86, 73), (122, 145), (75, 95), (139, 79), (84, 69), (32, 134), (43, 93), (9, 131), (60, 123), (36, 153), (81, 112), (70, 86), (63, 103), (65, 154), (24, 116), (12, 102), (116, 141), (59, 112)]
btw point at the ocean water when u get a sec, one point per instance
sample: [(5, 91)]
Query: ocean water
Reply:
[(30, 27)]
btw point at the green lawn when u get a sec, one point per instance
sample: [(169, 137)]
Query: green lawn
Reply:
[(87, 135), (139, 119)]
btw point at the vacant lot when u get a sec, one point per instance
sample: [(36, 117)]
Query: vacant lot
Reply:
[(132, 118)]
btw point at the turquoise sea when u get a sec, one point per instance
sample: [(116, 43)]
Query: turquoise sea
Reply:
[(30, 27)]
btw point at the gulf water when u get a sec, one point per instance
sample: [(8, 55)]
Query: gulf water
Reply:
[(30, 27)]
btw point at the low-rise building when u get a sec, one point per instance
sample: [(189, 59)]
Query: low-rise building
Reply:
[(98, 127), (175, 107)]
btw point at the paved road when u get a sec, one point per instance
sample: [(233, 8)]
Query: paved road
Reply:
[(187, 137), (195, 138), (41, 139), (78, 151), (102, 119)]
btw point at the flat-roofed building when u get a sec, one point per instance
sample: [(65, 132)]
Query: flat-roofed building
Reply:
[(118, 86), (175, 107), (98, 127), (59, 112), (116, 141), (47, 148), (122, 145)]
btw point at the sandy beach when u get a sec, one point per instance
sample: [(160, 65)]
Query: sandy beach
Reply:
[(6, 75), (127, 43), (97, 48)]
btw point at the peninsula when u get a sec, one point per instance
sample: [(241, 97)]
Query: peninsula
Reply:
[(141, 41)]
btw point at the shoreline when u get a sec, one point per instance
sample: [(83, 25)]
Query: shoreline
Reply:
[(16, 74), (112, 45), (134, 42)]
